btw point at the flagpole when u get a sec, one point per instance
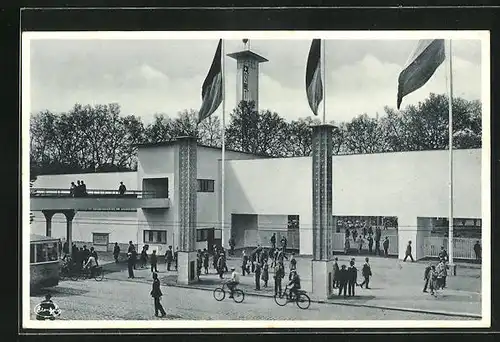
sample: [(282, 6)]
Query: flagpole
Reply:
[(450, 149), (223, 70), (324, 80)]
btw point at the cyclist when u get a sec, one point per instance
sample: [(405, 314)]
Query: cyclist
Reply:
[(294, 284), (92, 264), (235, 280)]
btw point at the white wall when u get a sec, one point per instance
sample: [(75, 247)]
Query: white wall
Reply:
[(272, 187), (121, 226), (405, 185)]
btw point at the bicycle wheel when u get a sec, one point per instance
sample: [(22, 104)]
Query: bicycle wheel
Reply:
[(238, 296), (99, 275), (303, 301), (74, 276), (281, 300), (219, 294)]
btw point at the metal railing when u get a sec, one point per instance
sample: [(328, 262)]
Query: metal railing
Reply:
[(463, 248), (338, 243), (95, 193)]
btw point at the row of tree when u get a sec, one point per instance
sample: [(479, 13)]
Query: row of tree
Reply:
[(98, 138)]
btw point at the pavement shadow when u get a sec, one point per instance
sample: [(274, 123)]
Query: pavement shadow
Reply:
[(58, 291), (351, 299)]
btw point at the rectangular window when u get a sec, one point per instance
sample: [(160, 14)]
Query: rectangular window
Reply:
[(52, 251), (201, 235), (32, 254), (206, 185), (100, 239), (155, 236)]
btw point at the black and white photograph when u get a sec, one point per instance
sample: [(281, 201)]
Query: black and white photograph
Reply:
[(246, 179)]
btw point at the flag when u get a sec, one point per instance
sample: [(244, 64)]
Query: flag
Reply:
[(314, 87), (421, 65), (211, 91)]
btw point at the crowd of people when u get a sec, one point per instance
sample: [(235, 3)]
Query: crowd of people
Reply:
[(80, 259), (345, 279), (366, 235), (80, 189)]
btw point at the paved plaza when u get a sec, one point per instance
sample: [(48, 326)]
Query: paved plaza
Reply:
[(396, 294)]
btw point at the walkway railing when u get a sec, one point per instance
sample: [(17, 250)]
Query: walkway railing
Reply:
[(463, 248), (95, 193)]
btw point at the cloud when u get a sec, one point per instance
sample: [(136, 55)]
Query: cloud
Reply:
[(166, 76)]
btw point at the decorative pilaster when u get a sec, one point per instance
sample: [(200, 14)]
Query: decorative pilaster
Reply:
[(187, 174), (322, 191)]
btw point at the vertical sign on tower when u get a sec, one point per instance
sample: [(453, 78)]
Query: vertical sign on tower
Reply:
[(245, 82)]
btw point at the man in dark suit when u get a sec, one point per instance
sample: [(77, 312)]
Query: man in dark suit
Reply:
[(343, 275), (156, 294), (352, 278), (427, 277), (408, 252)]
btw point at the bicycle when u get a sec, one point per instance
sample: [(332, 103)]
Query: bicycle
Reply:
[(86, 274), (302, 299), (220, 294)]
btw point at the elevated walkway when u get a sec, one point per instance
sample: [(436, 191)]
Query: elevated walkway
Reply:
[(61, 199), (52, 201)]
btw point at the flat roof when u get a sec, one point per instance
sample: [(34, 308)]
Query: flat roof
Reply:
[(36, 238), (247, 54), (173, 142)]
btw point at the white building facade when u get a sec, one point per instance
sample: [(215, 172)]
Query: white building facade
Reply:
[(264, 195)]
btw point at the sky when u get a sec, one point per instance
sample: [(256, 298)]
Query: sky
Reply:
[(165, 76)]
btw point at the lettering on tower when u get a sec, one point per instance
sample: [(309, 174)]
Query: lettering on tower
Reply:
[(246, 96)]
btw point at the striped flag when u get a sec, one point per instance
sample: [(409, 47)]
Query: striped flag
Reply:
[(314, 87), (211, 91), (421, 65)]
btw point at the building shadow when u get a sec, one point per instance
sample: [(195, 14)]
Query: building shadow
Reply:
[(58, 291)]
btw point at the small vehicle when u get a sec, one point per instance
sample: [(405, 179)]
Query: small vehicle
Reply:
[(220, 294), (43, 314), (85, 274), (302, 300)]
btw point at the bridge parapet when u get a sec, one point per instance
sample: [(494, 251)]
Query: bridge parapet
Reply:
[(59, 199)]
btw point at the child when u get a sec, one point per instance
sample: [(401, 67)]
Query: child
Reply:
[(265, 274)]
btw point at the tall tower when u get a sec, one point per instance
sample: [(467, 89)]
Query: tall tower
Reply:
[(247, 74)]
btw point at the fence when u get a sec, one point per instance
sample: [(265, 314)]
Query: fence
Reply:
[(463, 248), (49, 192), (338, 244)]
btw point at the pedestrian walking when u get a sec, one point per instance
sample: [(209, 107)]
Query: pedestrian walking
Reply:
[(130, 266), (273, 241), (257, 276), (116, 252), (343, 279), (156, 294), (284, 243), (440, 275), (336, 274), (169, 257), (370, 244), (265, 273), (361, 241), (244, 260), (408, 252), (144, 256), (154, 261), (205, 260), (366, 271), (279, 274), (443, 254), (121, 189), (347, 245), (427, 277), (386, 246), (220, 265), (293, 263), (477, 250), (176, 257), (352, 278)]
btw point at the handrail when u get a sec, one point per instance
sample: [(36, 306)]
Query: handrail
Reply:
[(57, 192)]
